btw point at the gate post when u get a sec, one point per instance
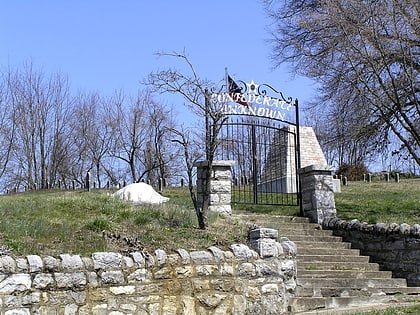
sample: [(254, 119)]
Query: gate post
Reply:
[(317, 192), (219, 187)]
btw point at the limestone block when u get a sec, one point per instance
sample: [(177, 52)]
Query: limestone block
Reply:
[(70, 280), (22, 265), (185, 256), (218, 254), (169, 305), (225, 199), (184, 271), (243, 252), (239, 305), (7, 264), (323, 200), (123, 290), (214, 199), (220, 199), (88, 263), (92, 279), (106, 260), (43, 281), (139, 275), (222, 173), (200, 257), (263, 233), (222, 209), (160, 257), (247, 270), (71, 262), (226, 270), (211, 301), (288, 268), (289, 248), (128, 307), (270, 288), (172, 259), (35, 263), (222, 284), (18, 311), (252, 294), (206, 270), (70, 309), (264, 269), (415, 230), (15, 283), (112, 277), (149, 259), (224, 308), (138, 258), (187, 305), (220, 186), (200, 285), (163, 273), (128, 262), (272, 304), (405, 229), (266, 247)]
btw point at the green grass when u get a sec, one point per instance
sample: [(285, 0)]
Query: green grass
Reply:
[(56, 222), (380, 202)]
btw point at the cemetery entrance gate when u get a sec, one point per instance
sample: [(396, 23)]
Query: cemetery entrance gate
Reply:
[(261, 134)]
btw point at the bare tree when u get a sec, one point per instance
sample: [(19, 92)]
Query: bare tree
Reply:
[(365, 54), (195, 92), (41, 106), (7, 125), (93, 134), (191, 155), (139, 135), (159, 155)]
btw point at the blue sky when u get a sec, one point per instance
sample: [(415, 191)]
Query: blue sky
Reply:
[(108, 45)]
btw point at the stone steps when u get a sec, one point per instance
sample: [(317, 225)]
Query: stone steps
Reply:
[(355, 274), (330, 274), (333, 266), (331, 258), (344, 305), (314, 238), (314, 244), (341, 281), (354, 292), (327, 251)]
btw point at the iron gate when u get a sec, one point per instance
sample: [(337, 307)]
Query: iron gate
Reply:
[(263, 140), (265, 158)]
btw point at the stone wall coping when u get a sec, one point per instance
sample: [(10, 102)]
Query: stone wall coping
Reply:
[(112, 260), (315, 168), (379, 228), (226, 163)]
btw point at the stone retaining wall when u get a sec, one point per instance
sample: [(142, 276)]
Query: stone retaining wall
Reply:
[(213, 281), (395, 247)]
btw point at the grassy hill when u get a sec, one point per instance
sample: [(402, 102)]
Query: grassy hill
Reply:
[(80, 222)]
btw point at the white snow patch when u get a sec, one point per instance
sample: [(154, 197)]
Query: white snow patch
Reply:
[(140, 193)]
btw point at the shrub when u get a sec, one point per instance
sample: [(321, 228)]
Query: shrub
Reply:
[(352, 172)]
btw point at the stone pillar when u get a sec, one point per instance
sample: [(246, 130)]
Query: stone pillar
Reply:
[(219, 188), (317, 192)]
